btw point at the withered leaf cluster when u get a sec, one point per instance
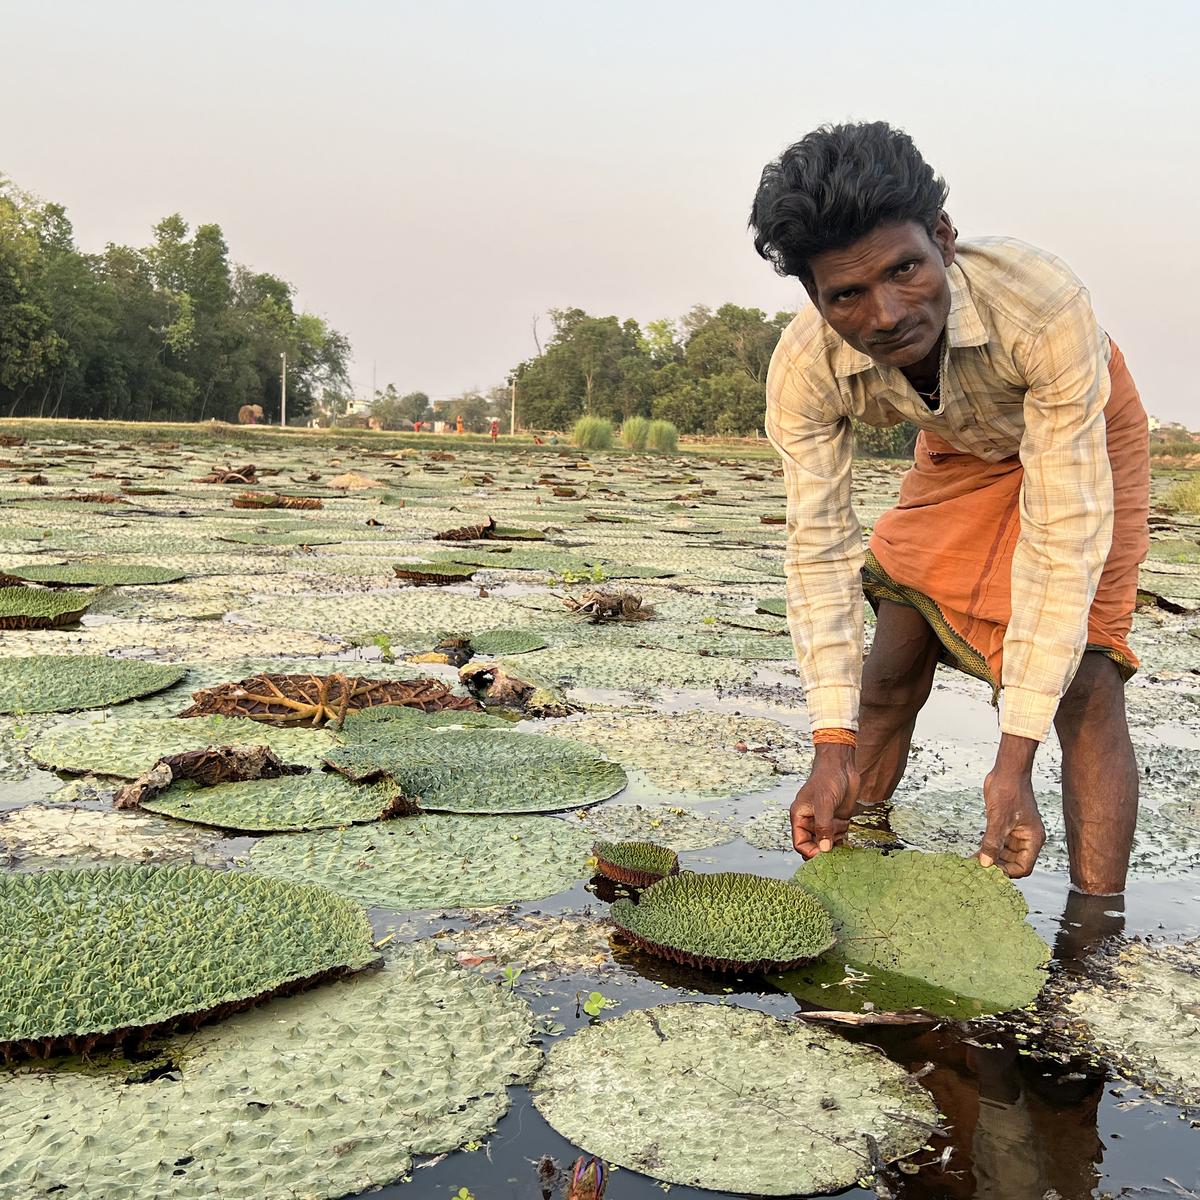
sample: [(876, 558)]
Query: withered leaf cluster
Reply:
[(316, 699)]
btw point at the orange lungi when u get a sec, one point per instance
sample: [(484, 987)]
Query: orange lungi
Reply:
[(946, 549)]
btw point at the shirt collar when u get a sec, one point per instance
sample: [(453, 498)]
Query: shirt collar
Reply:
[(963, 327)]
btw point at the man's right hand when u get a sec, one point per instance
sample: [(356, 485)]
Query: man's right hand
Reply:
[(823, 806)]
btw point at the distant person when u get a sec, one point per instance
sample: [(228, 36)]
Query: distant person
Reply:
[(417, 427), (458, 424), (495, 430), (1013, 552)]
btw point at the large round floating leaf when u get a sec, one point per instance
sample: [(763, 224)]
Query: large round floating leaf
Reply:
[(99, 574), (387, 720), (35, 608), (727, 922), (1141, 1009), (294, 537), (318, 1095), (65, 683), (720, 1097), (937, 919), (434, 860), (484, 770), (129, 747), (89, 953), (496, 642), (318, 800)]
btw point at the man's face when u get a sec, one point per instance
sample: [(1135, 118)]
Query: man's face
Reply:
[(887, 294)]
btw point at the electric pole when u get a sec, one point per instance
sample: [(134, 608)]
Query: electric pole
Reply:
[(283, 391), (512, 419)]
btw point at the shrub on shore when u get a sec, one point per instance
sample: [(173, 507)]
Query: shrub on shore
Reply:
[(593, 433), (663, 436), (634, 432)]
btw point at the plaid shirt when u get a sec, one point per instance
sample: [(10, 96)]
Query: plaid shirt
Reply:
[(1024, 371)]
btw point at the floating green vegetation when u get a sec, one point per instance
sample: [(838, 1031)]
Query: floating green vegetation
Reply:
[(67, 683), (627, 668), (37, 834), (727, 922), (772, 607), (387, 721), (99, 574), (943, 921), (434, 860), (1141, 1008), (678, 828), (532, 945), (319, 1095), (437, 573), (636, 864), (694, 753), (720, 1097), (292, 537), (493, 643), (166, 942), (1162, 845), (36, 608), (129, 748), (483, 770), (318, 800)]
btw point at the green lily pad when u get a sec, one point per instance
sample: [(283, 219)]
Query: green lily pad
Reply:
[(36, 608), (66, 683), (493, 643), (319, 1095), (434, 860), (721, 1097), (943, 921), (727, 922), (772, 607), (483, 770), (318, 800), (99, 574), (167, 942)]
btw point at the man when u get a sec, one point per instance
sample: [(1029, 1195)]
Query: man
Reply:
[(1013, 551)]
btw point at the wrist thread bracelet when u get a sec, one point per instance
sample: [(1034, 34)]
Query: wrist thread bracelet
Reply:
[(839, 737)]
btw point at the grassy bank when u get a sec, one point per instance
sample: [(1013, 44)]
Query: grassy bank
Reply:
[(251, 436)]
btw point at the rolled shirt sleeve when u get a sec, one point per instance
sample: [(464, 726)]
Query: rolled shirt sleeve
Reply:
[(1066, 516), (824, 556)]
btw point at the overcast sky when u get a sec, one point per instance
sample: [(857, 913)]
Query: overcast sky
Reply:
[(433, 175)]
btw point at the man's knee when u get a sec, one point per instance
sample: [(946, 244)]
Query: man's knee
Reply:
[(1097, 693), (898, 685)]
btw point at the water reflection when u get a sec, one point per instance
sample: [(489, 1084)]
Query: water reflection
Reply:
[(1019, 1128)]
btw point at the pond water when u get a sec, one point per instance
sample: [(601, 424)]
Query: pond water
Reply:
[(1018, 1124)]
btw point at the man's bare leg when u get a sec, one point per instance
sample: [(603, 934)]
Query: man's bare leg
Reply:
[(1099, 776), (897, 679)]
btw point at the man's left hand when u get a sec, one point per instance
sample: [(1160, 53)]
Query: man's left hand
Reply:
[(1015, 833)]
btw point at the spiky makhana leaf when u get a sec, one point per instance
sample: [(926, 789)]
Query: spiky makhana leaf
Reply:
[(721, 1097), (434, 860), (69, 682), (88, 952), (944, 921), (728, 921), (319, 1095)]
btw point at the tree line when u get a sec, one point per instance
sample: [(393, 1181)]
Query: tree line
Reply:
[(177, 331), (171, 331)]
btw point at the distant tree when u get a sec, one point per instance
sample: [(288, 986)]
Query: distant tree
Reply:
[(396, 411), (174, 330)]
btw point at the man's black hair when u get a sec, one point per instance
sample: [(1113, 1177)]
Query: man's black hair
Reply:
[(836, 185)]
